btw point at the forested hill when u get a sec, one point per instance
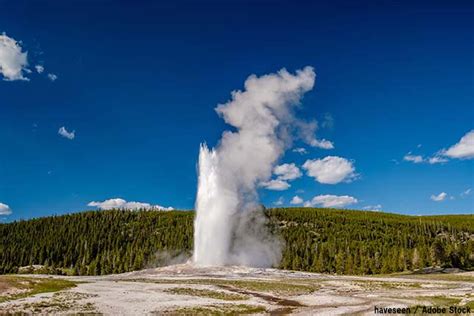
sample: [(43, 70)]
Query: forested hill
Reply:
[(319, 240)]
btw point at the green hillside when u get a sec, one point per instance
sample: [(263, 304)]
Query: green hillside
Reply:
[(318, 240)]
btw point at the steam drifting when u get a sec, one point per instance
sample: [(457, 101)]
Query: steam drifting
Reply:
[(229, 227)]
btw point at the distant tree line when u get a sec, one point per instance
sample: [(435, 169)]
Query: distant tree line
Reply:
[(318, 240)]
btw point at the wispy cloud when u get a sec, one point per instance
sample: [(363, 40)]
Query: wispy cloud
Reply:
[(377, 207), (436, 159), (330, 170), (52, 77), (118, 203), (440, 197), (300, 150), (307, 132), (279, 202), (64, 133), (39, 68), (413, 158)]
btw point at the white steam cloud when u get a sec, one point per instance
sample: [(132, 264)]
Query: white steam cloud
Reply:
[(229, 227)]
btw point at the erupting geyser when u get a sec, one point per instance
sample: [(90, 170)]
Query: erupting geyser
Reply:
[(230, 227)]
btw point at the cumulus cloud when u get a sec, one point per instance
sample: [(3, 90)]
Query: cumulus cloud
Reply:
[(119, 203), (330, 170), (440, 197), (300, 150), (296, 200), (13, 61), (39, 68), (413, 158), (287, 171), (64, 133), (464, 149), (376, 207), (276, 185), (331, 201), (5, 209)]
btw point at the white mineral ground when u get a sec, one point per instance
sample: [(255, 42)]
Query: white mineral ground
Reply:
[(145, 292)]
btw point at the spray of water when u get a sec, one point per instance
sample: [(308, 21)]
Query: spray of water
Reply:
[(230, 228)]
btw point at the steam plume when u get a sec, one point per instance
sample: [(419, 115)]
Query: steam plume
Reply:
[(229, 228)]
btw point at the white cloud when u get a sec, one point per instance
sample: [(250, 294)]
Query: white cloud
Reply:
[(5, 209), (307, 132), (437, 159), (464, 149), (13, 61), (39, 68), (119, 203), (279, 202), (64, 133), (287, 171), (52, 77), (413, 158), (276, 185), (440, 197), (377, 207), (300, 150), (332, 201), (466, 192), (323, 143), (420, 159), (330, 170), (296, 200)]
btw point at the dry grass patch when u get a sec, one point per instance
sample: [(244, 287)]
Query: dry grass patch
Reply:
[(228, 309), (220, 295)]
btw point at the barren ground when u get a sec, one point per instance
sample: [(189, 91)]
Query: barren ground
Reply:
[(184, 289)]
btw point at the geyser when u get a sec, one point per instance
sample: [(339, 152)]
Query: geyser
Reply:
[(230, 228)]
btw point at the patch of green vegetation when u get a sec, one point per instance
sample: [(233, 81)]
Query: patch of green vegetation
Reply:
[(207, 293), (228, 309), (442, 277), (274, 287), (24, 286), (376, 285), (317, 240)]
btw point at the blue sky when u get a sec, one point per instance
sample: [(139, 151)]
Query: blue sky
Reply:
[(138, 83)]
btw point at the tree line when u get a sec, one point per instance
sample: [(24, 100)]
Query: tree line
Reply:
[(317, 240)]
